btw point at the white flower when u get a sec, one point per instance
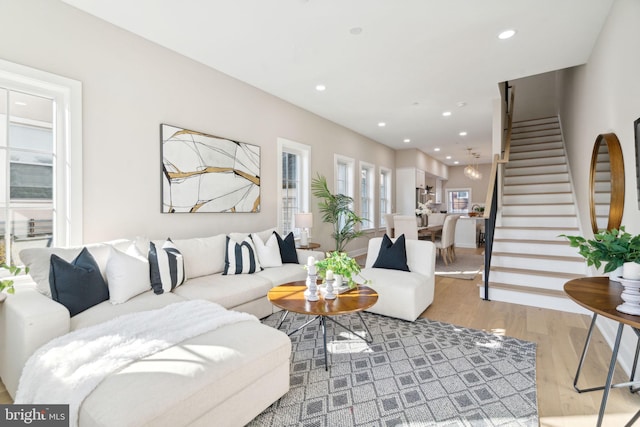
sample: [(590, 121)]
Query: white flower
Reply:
[(423, 209)]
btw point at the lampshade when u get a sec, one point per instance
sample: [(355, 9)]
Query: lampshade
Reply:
[(304, 220)]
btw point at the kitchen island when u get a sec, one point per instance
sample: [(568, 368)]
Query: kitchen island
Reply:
[(467, 229)]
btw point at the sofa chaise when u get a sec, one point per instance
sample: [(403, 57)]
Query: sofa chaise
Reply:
[(224, 377)]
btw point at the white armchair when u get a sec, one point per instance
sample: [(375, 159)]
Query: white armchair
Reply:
[(403, 294)]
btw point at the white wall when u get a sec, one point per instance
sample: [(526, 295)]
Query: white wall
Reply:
[(538, 95), (604, 96), (599, 97), (478, 187), (130, 87)]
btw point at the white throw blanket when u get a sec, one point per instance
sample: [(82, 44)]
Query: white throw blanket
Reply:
[(68, 368)]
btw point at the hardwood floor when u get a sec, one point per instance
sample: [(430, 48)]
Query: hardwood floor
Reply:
[(560, 338)]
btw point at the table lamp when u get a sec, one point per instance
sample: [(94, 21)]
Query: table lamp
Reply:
[(304, 221)]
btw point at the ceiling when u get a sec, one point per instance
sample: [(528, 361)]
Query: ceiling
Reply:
[(403, 63)]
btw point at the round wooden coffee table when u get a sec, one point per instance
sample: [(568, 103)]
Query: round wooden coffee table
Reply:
[(290, 297)]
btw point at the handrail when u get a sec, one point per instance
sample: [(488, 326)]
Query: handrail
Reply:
[(497, 159), (491, 203)]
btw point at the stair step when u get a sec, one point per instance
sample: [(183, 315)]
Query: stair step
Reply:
[(519, 135), (534, 127), (536, 272), (536, 154), (537, 161), (535, 188), (540, 120), (534, 140), (527, 289), (540, 146), (540, 220), (535, 233), (535, 198), (536, 262), (545, 257), (539, 279), (539, 209), (532, 241), (535, 170), (537, 178), (559, 247)]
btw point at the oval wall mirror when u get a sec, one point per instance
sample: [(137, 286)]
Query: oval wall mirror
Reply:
[(606, 183)]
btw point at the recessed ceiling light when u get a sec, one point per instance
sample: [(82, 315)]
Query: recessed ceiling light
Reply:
[(506, 34), (320, 88), (356, 31), (463, 133), (448, 157), (456, 162), (436, 149), (20, 103), (382, 124), (446, 113), (406, 140)]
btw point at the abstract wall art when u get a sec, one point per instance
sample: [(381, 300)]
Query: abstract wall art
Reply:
[(206, 173)]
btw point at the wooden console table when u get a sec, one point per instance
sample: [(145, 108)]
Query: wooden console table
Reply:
[(601, 296)]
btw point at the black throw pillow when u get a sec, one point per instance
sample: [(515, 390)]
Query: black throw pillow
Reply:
[(392, 256), (78, 285), (287, 248)]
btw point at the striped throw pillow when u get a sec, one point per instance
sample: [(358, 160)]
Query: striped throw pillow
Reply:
[(240, 257), (167, 267)]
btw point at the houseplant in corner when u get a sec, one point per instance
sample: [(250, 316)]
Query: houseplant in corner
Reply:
[(336, 210)]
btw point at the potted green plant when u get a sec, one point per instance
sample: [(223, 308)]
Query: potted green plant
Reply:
[(336, 210), (613, 247), (7, 284), (340, 264)]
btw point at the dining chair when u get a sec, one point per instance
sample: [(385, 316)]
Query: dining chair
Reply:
[(388, 221), (407, 225), (446, 243)]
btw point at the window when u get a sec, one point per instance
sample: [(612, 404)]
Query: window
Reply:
[(293, 168), (458, 200), (367, 185), (343, 178), (385, 195), (344, 175), (40, 160)]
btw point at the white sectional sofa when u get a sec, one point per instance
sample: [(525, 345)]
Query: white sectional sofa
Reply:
[(241, 368)]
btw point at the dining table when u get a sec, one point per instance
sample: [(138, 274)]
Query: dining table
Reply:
[(429, 230), (423, 232)]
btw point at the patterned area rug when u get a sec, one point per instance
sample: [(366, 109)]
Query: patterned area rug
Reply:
[(465, 266), (422, 373)]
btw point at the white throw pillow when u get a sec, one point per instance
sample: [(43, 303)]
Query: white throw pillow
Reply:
[(39, 260), (202, 256), (127, 274), (269, 252), (264, 235)]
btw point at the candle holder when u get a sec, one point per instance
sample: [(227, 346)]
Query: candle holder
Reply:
[(311, 294), (329, 294)]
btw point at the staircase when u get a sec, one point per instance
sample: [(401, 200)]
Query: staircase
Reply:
[(530, 263)]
